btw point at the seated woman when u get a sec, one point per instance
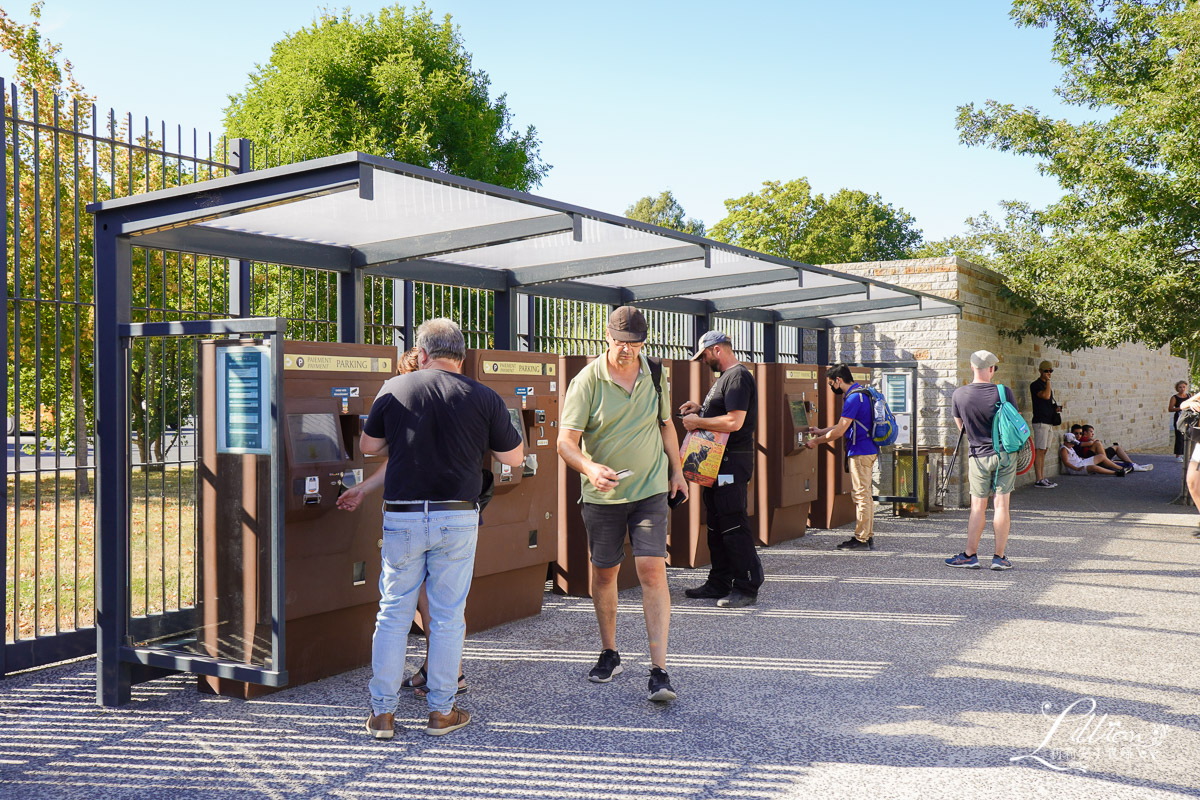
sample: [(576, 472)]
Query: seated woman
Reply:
[(1098, 464)]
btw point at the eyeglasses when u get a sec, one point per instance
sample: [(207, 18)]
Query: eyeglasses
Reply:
[(631, 346), (1046, 371)]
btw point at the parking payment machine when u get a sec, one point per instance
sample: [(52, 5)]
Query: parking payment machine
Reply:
[(785, 470), (834, 506), (331, 558), (518, 538)]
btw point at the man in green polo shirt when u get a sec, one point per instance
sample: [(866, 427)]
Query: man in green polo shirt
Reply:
[(614, 429)]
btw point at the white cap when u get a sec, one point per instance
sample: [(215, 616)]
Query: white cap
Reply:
[(982, 359)]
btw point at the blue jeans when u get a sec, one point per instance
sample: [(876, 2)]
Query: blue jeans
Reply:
[(438, 549)]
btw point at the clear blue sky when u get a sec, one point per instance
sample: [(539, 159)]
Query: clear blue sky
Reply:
[(704, 98)]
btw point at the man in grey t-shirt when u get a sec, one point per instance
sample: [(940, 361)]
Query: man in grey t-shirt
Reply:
[(974, 408)]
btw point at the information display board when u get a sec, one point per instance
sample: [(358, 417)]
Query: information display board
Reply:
[(244, 399)]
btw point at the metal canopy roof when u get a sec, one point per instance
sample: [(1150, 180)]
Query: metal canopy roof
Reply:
[(360, 212)]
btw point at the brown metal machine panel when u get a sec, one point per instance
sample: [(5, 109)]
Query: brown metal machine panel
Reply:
[(785, 471), (572, 573), (519, 535), (834, 506), (331, 563), (687, 536)]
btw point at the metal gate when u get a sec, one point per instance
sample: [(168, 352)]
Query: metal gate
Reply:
[(57, 156)]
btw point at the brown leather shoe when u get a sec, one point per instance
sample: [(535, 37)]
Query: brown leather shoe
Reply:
[(440, 724), (382, 726)]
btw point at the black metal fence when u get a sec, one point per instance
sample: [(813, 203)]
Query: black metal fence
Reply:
[(56, 157)]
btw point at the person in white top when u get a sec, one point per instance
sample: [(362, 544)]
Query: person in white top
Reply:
[(1072, 464)]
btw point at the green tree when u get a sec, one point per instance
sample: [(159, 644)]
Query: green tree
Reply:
[(1115, 259), (51, 284), (855, 226), (665, 212), (398, 85), (787, 220)]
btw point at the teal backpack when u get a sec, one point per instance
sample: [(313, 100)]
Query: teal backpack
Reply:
[(1009, 429)]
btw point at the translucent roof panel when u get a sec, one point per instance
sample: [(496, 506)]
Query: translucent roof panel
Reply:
[(401, 207), (598, 240), (355, 211), (721, 263)]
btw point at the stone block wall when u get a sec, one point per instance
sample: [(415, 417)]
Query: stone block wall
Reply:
[(1122, 391)]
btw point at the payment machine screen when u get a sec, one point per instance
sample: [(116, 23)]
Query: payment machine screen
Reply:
[(514, 417), (799, 413), (315, 438)]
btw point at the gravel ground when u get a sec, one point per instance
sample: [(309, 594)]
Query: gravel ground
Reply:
[(868, 674)]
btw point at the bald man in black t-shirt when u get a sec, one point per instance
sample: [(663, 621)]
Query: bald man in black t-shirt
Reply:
[(434, 425)]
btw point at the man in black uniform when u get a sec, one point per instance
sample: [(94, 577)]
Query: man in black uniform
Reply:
[(732, 407)]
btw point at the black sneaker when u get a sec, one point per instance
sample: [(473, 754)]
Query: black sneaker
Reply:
[(736, 599), (607, 665), (660, 686), (705, 591), (855, 544)]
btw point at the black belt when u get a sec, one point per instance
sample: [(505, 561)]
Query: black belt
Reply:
[(403, 507)]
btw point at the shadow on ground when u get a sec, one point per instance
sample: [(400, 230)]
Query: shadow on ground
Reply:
[(878, 674)]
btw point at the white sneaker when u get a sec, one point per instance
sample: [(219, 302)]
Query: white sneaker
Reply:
[(1179, 459), (1143, 467)]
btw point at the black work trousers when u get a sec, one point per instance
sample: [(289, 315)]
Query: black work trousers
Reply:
[(735, 562)]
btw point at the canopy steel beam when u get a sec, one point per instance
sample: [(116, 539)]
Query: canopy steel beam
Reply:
[(763, 315), (894, 316), (459, 239), (248, 247), (584, 292), (787, 296), (603, 265), (833, 309), (443, 272), (653, 291), (224, 197), (682, 305)]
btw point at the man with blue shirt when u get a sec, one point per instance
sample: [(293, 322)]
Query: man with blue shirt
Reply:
[(857, 419)]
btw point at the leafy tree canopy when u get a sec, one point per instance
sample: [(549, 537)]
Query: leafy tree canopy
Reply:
[(35, 58), (1113, 260), (787, 220), (665, 212), (398, 85)]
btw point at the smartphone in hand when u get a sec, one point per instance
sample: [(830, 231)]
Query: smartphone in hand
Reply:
[(622, 474)]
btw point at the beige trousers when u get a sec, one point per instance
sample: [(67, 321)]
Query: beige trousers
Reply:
[(862, 469)]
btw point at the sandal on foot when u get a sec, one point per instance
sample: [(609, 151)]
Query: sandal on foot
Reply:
[(419, 691), (409, 682)]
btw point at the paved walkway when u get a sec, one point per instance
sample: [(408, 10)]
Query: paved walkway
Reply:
[(881, 674)]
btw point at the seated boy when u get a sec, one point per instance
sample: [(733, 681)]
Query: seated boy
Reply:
[(1073, 464), (1088, 440)]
